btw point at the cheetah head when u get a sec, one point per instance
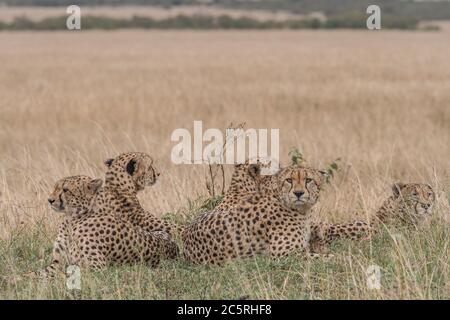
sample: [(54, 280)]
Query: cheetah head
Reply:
[(132, 170), (416, 198), (73, 195), (248, 177), (299, 187)]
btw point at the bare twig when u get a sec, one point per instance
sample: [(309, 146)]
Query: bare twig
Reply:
[(217, 168)]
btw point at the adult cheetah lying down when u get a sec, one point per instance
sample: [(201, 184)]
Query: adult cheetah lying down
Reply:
[(94, 234), (410, 204), (273, 220), (245, 181)]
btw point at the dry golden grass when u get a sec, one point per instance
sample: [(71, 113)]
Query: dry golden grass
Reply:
[(68, 100)]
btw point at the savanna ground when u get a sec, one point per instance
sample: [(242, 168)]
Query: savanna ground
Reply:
[(378, 100)]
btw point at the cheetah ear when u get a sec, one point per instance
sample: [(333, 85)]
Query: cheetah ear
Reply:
[(131, 166), (95, 185), (254, 170), (108, 162), (397, 187)]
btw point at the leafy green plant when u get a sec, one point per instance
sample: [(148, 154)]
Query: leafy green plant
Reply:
[(173, 217), (332, 169), (298, 159), (210, 203), (296, 156)]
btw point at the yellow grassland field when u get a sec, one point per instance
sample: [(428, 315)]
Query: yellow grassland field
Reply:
[(380, 101)]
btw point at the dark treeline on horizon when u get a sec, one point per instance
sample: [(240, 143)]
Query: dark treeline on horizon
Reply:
[(423, 10), (202, 22)]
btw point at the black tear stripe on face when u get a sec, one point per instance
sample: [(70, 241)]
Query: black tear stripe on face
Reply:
[(291, 184), (306, 185), (431, 193), (153, 173), (61, 202), (313, 181), (60, 199), (60, 195), (68, 191)]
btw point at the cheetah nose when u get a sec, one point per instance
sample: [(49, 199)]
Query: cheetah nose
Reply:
[(50, 200), (426, 206), (299, 194)]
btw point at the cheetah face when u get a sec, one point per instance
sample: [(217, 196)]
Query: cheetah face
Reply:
[(417, 198), (135, 165), (300, 186), (73, 195)]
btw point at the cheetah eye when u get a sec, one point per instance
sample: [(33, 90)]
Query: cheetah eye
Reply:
[(65, 189), (289, 180), (308, 180), (430, 194)]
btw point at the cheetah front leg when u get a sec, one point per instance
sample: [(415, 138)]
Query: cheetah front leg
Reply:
[(355, 230), (96, 265), (59, 257), (282, 244), (319, 256), (322, 234), (86, 257), (318, 242)]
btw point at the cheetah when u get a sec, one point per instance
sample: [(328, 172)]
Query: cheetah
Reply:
[(274, 220), (93, 234), (131, 172), (410, 204), (245, 180)]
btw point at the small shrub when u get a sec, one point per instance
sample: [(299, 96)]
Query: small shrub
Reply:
[(296, 156)]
